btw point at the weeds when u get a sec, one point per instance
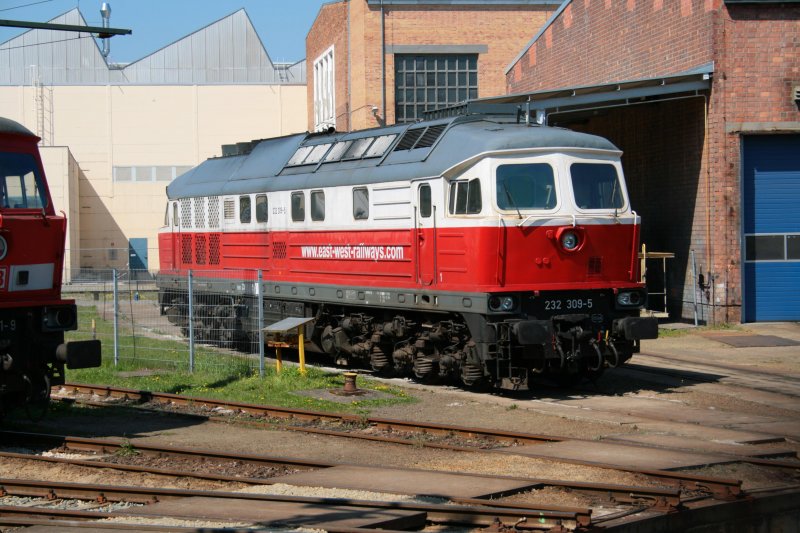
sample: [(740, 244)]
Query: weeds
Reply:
[(126, 449)]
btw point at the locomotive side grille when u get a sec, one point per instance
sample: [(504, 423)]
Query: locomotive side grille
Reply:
[(186, 213), (200, 249), (213, 249), (228, 209), (199, 213), (213, 212), (279, 250), (186, 249), (595, 265), (409, 139), (430, 136)]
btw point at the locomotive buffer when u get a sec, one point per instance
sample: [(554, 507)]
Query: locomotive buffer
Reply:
[(288, 333)]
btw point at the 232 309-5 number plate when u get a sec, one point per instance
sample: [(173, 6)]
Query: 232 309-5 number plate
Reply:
[(568, 304)]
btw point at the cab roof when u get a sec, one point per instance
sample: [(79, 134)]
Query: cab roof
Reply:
[(394, 153)]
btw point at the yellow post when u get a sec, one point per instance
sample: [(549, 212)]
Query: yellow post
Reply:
[(278, 362), (94, 329), (301, 348)]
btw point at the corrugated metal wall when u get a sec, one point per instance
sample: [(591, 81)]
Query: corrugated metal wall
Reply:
[(228, 51)]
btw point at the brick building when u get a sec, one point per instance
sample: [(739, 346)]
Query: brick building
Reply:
[(374, 62), (702, 97)]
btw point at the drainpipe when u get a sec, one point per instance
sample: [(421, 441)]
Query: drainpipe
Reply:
[(349, 78), (383, 65)]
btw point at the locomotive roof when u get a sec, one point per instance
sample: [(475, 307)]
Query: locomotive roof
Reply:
[(9, 126), (423, 149)]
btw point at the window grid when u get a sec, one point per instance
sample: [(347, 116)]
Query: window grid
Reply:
[(431, 81)]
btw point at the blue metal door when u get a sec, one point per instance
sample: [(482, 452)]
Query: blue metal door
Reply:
[(771, 227), (137, 252)]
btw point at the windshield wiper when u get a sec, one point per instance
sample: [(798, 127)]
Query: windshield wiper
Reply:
[(511, 200)]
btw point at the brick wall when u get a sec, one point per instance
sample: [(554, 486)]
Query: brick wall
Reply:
[(326, 31), (757, 65), (601, 41), (504, 29)]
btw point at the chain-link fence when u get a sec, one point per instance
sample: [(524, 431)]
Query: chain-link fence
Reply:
[(203, 320)]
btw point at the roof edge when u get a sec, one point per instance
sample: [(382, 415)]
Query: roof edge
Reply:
[(550, 21)]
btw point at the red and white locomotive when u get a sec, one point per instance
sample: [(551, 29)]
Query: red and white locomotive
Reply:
[(33, 316), (471, 247)]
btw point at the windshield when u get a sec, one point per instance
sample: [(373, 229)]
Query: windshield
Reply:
[(20, 182), (526, 186), (596, 186)]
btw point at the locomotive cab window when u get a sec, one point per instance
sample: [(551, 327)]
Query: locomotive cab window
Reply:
[(360, 203), (596, 186), (317, 205), (20, 182), (298, 206), (525, 186), (465, 197), (262, 208), (425, 203), (244, 210)]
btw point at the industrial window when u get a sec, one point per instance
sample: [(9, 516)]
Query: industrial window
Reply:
[(777, 247), (298, 207), (360, 203), (262, 208), (317, 205), (149, 172), (324, 91), (525, 186), (465, 197), (425, 207), (432, 81), (596, 186), (244, 210)]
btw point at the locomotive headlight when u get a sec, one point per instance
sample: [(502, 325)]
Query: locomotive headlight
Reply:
[(501, 303), (570, 240), (629, 299), (3, 248)]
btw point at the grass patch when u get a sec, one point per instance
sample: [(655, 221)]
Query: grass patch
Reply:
[(683, 332), (161, 365)]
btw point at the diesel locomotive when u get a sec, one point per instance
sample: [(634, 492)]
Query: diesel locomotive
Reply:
[(474, 248), (33, 315)]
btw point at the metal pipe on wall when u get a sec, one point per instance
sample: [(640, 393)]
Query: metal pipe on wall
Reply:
[(383, 64)]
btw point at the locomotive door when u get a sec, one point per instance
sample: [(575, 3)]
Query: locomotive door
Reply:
[(425, 235)]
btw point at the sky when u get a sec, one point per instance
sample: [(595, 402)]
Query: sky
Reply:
[(281, 24)]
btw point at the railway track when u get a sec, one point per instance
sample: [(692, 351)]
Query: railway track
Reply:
[(473, 513), (464, 512), (479, 439), (306, 419)]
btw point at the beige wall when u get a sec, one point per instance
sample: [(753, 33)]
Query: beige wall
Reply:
[(63, 175), (113, 126)]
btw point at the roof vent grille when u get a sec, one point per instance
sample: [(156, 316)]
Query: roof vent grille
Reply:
[(409, 139), (430, 136)]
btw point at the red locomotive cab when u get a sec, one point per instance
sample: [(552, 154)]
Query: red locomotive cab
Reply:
[(31, 234), (33, 316)]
